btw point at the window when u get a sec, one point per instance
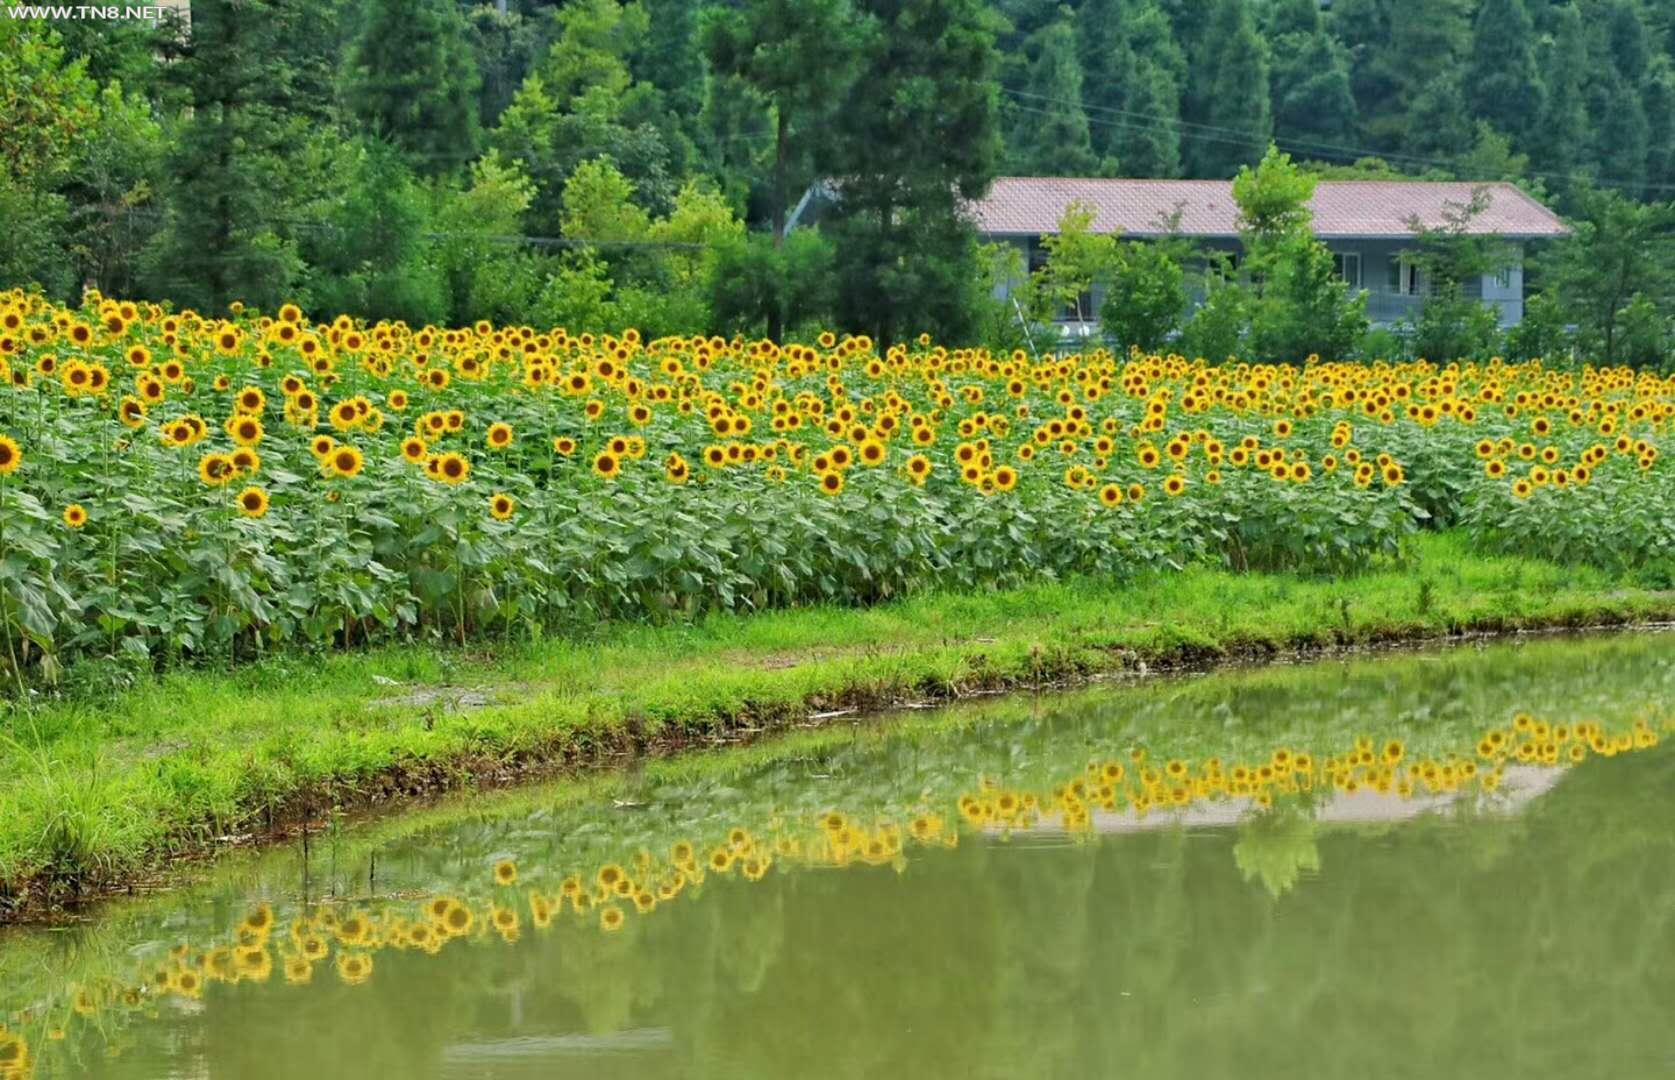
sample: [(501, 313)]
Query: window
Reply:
[(1503, 278), (1348, 265), (1036, 256), (1406, 278)]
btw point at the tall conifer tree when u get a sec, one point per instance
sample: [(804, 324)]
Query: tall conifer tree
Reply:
[(1131, 68), (916, 138), (412, 80), (1562, 137), (1231, 64), (1313, 102), (223, 239), (800, 56), (1505, 86), (1050, 128)]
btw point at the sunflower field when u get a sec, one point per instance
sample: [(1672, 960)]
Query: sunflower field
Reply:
[(176, 485)]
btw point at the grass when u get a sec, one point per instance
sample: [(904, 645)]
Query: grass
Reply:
[(98, 788)]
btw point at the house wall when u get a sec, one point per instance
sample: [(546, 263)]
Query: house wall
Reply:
[(1390, 300), (1506, 291)]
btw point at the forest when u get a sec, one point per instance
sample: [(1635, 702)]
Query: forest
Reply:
[(596, 164)]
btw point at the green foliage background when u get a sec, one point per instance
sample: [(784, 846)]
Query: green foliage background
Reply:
[(413, 158)]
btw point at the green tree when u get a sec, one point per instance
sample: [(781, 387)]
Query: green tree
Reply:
[(1491, 157), (582, 102), (1019, 19), (916, 138), (1617, 122), (1304, 308), (111, 191), (1543, 333), (1626, 38), (1561, 139), (1619, 56), (1049, 134), (1299, 304), (1399, 49), (505, 46), (1660, 20), (1106, 63), (1442, 127), (599, 205), (1643, 334), (1145, 142), (1273, 200), (312, 43), (48, 110), (124, 52), (1231, 65), (755, 286), (1313, 102), (224, 236), (31, 244), (46, 102), (701, 220), (411, 78), (577, 295), (999, 326), (734, 124), (1282, 17), (668, 93), (1618, 253), (799, 56), (1132, 68), (371, 258), (1145, 293), (656, 267), (1451, 326), (1658, 96), (1505, 84), (591, 52), (671, 58), (486, 278), (1077, 259), (1216, 331)]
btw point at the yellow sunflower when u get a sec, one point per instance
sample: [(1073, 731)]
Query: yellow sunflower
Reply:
[(346, 461), (215, 469), (452, 468), (253, 502)]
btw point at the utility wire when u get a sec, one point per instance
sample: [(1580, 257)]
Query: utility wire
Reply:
[(1187, 129)]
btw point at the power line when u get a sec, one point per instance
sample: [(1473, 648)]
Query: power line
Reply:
[(1187, 129)]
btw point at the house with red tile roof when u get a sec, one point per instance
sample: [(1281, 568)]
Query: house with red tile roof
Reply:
[(1367, 224)]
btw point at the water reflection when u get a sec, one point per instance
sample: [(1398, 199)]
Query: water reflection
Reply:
[(1027, 800)]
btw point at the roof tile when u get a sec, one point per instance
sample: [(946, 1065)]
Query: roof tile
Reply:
[(1031, 206)]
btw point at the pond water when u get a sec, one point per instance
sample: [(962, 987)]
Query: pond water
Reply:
[(1444, 864)]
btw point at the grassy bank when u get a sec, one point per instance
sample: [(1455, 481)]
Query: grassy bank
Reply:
[(96, 790)]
